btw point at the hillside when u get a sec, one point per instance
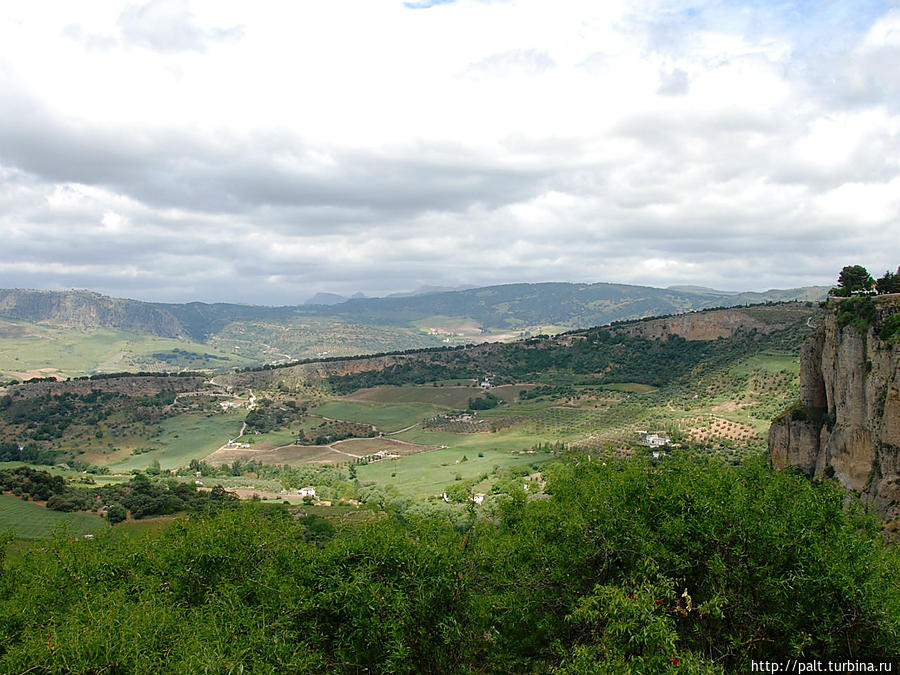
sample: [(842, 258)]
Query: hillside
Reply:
[(393, 527), (73, 333), (726, 386)]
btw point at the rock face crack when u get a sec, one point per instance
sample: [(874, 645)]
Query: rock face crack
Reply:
[(848, 422)]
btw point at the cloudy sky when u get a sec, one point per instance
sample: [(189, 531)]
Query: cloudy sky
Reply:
[(261, 152)]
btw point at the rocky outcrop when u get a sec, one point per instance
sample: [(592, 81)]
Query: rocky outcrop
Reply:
[(719, 323), (848, 422)]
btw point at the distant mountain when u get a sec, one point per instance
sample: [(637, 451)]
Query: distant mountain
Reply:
[(259, 334), (698, 289), (493, 308), (429, 290), (566, 305), (326, 299)]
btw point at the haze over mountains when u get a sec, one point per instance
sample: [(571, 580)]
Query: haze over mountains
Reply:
[(68, 333), (516, 307)]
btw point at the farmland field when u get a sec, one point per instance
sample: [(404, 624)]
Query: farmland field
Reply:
[(184, 438), (453, 397), (387, 417), (427, 474), (27, 347), (32, 521), (340, 452), (630, 387)]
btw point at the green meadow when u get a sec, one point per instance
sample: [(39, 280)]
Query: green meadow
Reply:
[(184, 438), (27, 347), (428, 473), (386, 416), (32, 521)]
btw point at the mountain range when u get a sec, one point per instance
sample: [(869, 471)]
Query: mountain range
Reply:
[(227, 335)]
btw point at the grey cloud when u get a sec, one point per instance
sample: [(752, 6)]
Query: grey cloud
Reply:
[(168, 26), (241, 174)]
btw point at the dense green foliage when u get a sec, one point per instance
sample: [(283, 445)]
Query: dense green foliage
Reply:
[(47, 418), (268, 415), (599, 356), (332, 431), (853, 279), (626, 568), (140, 496), (31, 484), (890, 329), (889, 283), (485, 402), (859, 312)]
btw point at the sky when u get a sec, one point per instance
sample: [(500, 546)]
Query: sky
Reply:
[(179, 150)]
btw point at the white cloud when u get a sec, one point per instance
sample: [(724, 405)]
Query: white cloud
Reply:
[(201, 150)]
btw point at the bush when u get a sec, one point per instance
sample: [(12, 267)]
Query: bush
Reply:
[(116, 513), (624, 567)]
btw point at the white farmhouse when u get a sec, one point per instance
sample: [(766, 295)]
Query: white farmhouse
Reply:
[(657, 440)]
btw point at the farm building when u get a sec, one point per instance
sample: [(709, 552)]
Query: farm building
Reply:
[(308, 492), (657, 440)]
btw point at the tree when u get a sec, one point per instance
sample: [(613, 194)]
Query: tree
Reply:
[(853, 278), (115, 513), (889, 283), (154, 469)]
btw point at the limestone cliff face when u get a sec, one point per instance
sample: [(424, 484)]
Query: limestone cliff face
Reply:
[(849, 423), (719, 323)]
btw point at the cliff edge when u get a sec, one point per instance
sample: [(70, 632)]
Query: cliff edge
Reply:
[(847, 424)]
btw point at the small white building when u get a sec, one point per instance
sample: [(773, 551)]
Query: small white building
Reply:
[(478, 498), (308, 492), (657, 440)]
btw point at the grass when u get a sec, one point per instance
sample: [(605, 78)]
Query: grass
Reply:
[(515, 438), (385, 416), (451, 397), (26, 347), (184, 438), (772, 362), (292, 455), (630, 387), (448, 397), (427, 474), (274, 438), (32, 521), (137, 529)]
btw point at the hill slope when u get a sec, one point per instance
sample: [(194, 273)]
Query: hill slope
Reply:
[(241, 334)]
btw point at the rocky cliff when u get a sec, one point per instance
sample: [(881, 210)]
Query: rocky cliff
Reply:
[(720, 323), (848, 422)]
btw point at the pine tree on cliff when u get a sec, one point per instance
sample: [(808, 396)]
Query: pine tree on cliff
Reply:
[(853, 278), (889, 283)]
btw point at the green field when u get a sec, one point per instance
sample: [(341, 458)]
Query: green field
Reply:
[(449, 397), (767, 361), (515, 438), (27, 347), (385, 416), (630, 387), (31, 521), (184, 438), (428, 473)]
